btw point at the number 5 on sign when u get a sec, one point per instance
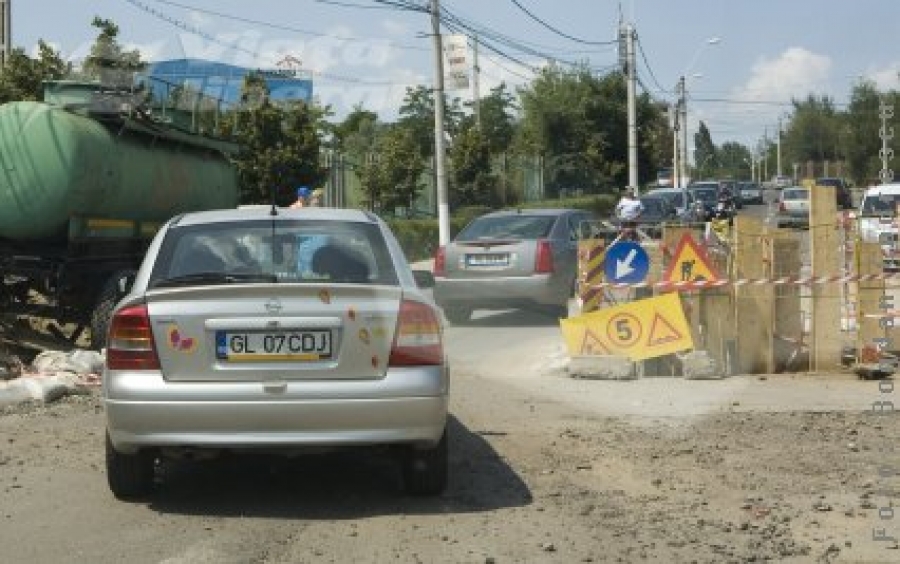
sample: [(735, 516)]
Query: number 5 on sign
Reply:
[(639, 330)]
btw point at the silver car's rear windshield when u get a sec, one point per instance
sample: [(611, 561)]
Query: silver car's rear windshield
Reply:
[(298, 251), (508, 227), (795, 194)]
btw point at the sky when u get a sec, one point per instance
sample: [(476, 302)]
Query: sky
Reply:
[(743, 60)]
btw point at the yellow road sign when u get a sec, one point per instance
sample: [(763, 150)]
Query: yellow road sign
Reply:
[(639, 330), (689, 263)]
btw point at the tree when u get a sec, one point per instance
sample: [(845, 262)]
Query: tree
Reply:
[(497, 120), (705, 154), (279, 145), (734, 160), (108, 61), (392, 177), (862, 124), (22, 78), (417, 115), (472, 180), (813, 132)]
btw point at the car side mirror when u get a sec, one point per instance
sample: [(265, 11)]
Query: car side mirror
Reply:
[(423, 278)]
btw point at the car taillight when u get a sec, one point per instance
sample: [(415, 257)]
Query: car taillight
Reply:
[(543, 257), (440, 262), (130, 345), (417, 340)]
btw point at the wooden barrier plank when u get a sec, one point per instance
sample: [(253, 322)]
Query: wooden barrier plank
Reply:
[(868, 298), (825, 244), (791, 343), (754, 305)]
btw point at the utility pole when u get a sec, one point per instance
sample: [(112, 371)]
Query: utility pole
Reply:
[(673, 115), (5, 30), (682, 97), (778, 160), (476, 89), (439, 151), (631, 75)]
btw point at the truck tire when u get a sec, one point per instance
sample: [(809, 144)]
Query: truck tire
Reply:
[(106, 301)]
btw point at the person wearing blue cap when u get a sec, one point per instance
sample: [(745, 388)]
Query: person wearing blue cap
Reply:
[(302, 197)]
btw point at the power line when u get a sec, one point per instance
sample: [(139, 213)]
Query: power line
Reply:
[(193, 30), (287, 27), (650, 70), (557, 31)]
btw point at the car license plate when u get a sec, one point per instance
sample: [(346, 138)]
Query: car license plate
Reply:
[(252, 346), (491, 259)]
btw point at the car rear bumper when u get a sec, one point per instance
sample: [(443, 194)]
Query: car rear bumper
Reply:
[(145, 411), (496, 293)]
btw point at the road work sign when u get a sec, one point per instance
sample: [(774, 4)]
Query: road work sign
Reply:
[(638, 330), (689, 263)]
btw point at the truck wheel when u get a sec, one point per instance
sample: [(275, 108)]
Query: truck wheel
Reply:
[(106, 301), (128, 475), (425, 471)]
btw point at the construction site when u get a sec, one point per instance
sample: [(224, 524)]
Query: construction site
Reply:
[(761, 300)]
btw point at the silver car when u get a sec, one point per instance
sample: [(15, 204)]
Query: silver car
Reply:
[(275, 329), (510, 259), (793, 207)]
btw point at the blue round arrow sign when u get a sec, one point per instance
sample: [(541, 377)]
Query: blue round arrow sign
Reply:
[(626, 262)]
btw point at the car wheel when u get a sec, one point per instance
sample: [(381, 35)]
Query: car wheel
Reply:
[(458, 315), (558, 311), (425, 470), (128, 475)]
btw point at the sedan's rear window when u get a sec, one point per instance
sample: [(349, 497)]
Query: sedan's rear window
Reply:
[(795, 194), (260, 251), (508, 227)]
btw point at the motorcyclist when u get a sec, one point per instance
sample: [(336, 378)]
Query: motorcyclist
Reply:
[(628, 210)]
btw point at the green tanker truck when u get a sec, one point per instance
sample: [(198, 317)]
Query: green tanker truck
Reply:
[(86, 178)]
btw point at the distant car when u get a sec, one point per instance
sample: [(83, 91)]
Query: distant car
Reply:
[(793, 207), (878, 222), (254, 330), (841, 191), (682, 200), (707, 193), (751, 192), (510, 259), (657, 210)]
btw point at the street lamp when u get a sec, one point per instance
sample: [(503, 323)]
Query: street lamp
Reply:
[(682, 102)]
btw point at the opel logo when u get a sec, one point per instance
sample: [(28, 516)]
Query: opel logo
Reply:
[(274, 306)]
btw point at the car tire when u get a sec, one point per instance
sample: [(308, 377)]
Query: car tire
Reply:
[(103, 307), (425, 471), (458, 315), (558, 311), (129, 475)]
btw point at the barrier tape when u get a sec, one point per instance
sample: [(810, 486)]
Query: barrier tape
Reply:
[(782, 281)]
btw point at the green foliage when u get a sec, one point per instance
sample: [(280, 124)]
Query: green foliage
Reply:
[(280, 146), (496, 121), (472, 180), (705, 156), (393, 178), (108, 61), (417, 116), (22, 77)]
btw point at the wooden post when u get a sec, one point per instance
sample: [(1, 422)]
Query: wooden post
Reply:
[(754, 304), (788, 317), (868, 302), (825, 244)]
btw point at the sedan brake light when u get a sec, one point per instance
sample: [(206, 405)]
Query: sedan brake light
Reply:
[(543, 257), (130, 345), (418, 340), (440, 262)]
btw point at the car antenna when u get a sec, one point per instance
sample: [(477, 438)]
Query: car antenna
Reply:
[(274, 211)]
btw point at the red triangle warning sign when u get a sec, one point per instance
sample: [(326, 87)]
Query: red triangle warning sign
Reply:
[(689, 263), (662, 332), (591, 344)]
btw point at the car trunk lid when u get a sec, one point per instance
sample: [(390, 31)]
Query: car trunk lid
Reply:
[(281, 331), (490, 258)]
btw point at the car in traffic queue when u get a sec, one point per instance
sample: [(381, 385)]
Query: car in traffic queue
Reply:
[(524, 258), (264, 329), (878, 216), (707, 194), (683, 200), (793, 207), (751, 192)]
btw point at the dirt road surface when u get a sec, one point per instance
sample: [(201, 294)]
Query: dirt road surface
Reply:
[(544, 469)]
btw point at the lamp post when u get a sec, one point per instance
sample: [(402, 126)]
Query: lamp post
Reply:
[(681, 90)]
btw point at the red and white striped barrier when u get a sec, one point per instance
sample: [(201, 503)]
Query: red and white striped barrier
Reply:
[(782, 281)]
